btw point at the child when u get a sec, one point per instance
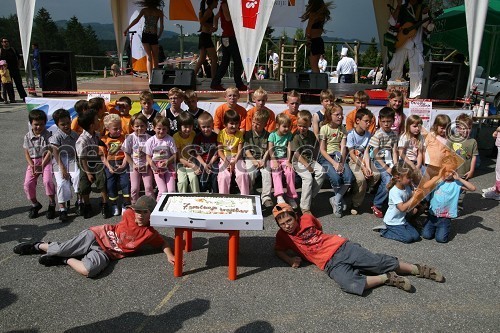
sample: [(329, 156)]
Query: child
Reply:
[(98, 104), (444, 200), (261, 73), (134, 148), (436, 146), (91, 168), (175, 97), (160, 154), (147, 102), (191, 100), (256, 142), (361, 100), (327, 98), (187, 170), (90, 252), (66, 171), (230, 149), (384, 144), (396, 102), (344, 261), (305, 148), (332, 145), (231, 96), (280, 160), (206, 151), (37, 154), (411, 144), (360, 164), (494, 191), (260, 99), (122, 108), (6, 80), (396, 226), (293, 103), (465, 147), (116, 164)]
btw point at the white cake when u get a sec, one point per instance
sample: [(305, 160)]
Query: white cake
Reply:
[(209, 205)]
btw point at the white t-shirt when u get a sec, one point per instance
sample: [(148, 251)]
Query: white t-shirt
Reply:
[(358, 142), (322, 63), (274, 58)]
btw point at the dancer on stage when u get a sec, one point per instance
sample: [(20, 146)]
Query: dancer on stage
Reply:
[(150, 33), (316, 14), (205, 43)]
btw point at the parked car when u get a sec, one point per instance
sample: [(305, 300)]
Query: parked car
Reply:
[(493, 89)]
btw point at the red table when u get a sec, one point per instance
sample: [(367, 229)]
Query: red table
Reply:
[(233, 247)]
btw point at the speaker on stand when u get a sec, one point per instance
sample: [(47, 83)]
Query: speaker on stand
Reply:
[(166, 79), (443, 80), (306, 84), (58, 71)]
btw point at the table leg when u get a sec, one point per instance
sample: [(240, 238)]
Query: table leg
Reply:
[(178, 244), (233, 254), (189, 241)]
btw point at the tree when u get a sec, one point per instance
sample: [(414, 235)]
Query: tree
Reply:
[(9, 28), (371, 57), (46, 33)]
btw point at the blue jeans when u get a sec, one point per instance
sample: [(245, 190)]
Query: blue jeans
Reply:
[(382, 192), (438, 227), (113, 180), (337, 180), (405, 233)]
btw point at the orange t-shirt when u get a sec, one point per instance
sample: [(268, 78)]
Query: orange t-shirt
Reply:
[(293, 118), (114, 147), (350, 122), (271, 122), (126, 237), (309, 241), (221, 110)]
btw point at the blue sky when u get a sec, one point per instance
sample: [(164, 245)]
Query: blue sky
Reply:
[(351, 19)]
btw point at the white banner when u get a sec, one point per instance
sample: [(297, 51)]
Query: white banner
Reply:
[(286, 13), (25, 12)]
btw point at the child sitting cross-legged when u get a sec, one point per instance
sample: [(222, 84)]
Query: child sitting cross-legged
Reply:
[(353, 267)]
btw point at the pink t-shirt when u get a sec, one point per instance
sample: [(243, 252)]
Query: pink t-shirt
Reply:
[(160, 151), (135, 146)]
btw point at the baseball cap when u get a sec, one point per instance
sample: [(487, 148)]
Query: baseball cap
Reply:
[(144, 203), (282, 208)]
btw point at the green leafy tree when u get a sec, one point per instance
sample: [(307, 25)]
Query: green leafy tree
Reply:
[(9, 28), (45, 32)]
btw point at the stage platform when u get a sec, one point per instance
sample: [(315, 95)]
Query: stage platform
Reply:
[(131, 85)]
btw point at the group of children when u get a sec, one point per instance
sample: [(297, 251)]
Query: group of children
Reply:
[(193, 151)]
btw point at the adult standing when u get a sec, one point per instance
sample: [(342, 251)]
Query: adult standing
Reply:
[(230, 51), (150, 32), (412, 12), (322, 64), (10, 55), (205, 44), (316, 14), (36, 63), (346, 68), (274, 61)]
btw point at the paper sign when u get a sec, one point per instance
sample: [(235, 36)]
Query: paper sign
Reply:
[(107, 97), (422, 108)]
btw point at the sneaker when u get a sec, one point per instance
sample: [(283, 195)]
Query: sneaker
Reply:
[(63, 215), (268, 203), (397, 281), (26, 248), (489, 189), (337, 209), (80, 208), (243, 87), (377, 212), (280, 199), (379, 227), (105, 210), (115, 210), (47, 260), (292, 203), (354, 210), (217, 87), (492, 195), (87, 211), (33, 214), (51, 212)]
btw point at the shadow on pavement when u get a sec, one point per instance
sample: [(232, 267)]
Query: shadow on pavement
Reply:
[(464, 225), (258, 326), (6, 298)]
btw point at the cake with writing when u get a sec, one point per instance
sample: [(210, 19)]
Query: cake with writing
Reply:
[(209, 205)]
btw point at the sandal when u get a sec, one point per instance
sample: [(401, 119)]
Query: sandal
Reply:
[(398, 281), (428, 272)]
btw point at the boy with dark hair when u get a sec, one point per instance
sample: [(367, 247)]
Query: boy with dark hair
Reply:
[(89, 161), (98, 245), (205, 144), (384, 145), (187, 170), (344, 261)]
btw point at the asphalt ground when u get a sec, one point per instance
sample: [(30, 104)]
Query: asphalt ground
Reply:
[(140, 293)]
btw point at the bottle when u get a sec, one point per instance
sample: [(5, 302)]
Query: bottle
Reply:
[(474, 111), (480, 110), (487, 109)]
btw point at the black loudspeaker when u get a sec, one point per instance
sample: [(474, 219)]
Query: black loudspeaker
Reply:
[(58, 71), (306, 84), (444, 80), (165, 79)]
